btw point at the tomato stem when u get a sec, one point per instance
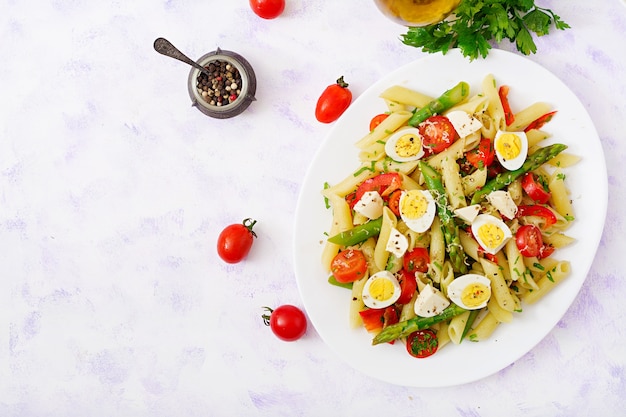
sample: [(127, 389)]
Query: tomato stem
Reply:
[(341, 83), (249, 223), (266, 317)]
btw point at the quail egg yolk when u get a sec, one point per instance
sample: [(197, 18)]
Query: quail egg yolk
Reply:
[(408, 145), (475, 294), (414, 206), (509, 146), (491, 235), (381, 289)]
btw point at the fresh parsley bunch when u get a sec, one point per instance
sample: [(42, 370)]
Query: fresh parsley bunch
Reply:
[(475, 23)]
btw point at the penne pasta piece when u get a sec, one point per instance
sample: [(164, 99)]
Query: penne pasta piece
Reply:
[(484, 329), (499, 288), (394, 121), (380, 252), (404, 95), (548, 281), (457, 326), (356, 302), (342, 221), (560, 195), (528, 115)]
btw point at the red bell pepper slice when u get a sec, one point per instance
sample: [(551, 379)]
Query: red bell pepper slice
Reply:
[(540, 121), (535, 189), (537, 210), (503, 92)]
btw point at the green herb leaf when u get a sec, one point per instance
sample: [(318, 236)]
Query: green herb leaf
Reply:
[(477, 23)]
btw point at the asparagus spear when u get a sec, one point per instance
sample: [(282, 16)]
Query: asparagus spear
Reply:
[(534, 161), (405, 328), (358, 233), (449, 227), (448, 99)]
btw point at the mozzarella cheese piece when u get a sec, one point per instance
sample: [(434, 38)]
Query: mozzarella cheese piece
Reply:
[(463, 123), (468, 213), (430, 302), (397, 243), (503, 202), (370, 205)]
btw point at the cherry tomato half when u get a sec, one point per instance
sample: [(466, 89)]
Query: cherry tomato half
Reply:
[(287, 322), (333, 101), (529, 240), (438, 133), (534, 188), (349, 265), (235, 241), (422, 343), (267, 9), (376, 120), (416, 260)]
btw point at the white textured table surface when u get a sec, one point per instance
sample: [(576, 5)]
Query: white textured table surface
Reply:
[(113, 190)]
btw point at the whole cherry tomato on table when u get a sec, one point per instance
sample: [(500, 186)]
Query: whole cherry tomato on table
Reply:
[(335, 99), (287, 322), (267, 9), (235, 241)]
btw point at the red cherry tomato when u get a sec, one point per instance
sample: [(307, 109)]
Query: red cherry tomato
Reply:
[(534, 188), (416, 260), (287, 322), (422, 343), (335, 99), (235, 241), (408, 286), (267, 9), (529, 240), (482, 156), (376, 120), (349, 265), (438, 133)]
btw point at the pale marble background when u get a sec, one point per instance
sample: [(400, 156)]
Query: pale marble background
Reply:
[(113, 191)]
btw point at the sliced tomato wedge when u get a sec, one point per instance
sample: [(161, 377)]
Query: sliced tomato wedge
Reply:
[(376, 120), (349, 265), (438, 133), (483, 155), (540, 121), (416, 260), (534, 188), (394, 202), (384, 184), (408, 285), (537, 210), (422, 343), (503, 92)]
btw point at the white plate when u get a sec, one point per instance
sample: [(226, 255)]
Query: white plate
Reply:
[(327, 305)]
